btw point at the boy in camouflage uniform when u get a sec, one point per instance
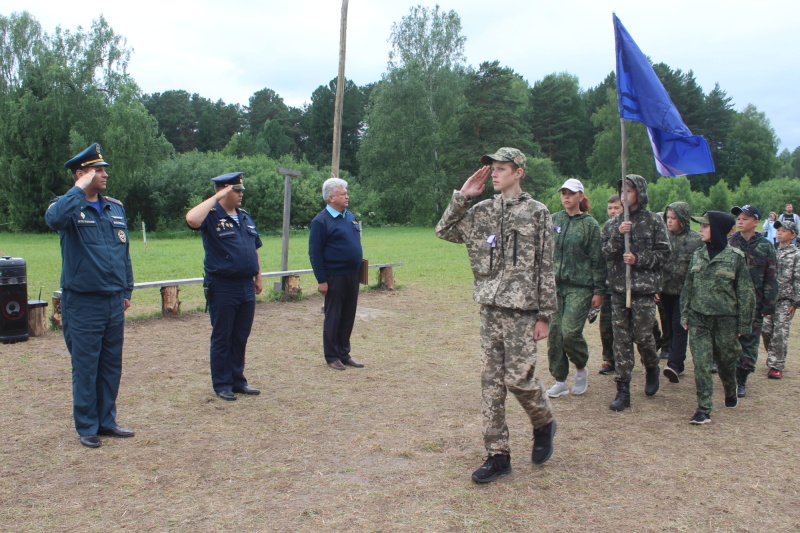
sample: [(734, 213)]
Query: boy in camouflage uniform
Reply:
[(649, 250), (775, 330), (510, 245), (684, 241), (717, 303), (762, 265), (613, 208)]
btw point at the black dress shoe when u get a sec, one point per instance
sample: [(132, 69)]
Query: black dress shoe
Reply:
[(227, 395), (336, 365), (91, 441), (117, 431), (247, 389), (352, 362)]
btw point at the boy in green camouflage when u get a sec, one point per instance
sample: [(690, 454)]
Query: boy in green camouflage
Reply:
[(510, 245), (613, 208), (717, 304)]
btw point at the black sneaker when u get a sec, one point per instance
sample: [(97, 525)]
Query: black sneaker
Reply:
[(731, 401), (543, 443), (700, 418), (495, 465), (671, 374), (607, 368)]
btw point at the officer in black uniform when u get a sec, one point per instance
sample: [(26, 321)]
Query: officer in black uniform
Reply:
[(232, 280), (96, 285)]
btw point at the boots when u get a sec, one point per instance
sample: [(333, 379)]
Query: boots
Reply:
[(741, 381), (651, 380), (623, 398)]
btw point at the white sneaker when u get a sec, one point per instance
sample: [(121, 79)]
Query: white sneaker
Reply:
[(581, 382), (559, 389)]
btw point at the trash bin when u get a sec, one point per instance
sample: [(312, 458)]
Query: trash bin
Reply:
[(13, 300)]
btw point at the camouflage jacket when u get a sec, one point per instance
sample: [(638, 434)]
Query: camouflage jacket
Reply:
[(789, 274), (510, 247), (578, 259), (763, 269), (719, 287), (683, 245), (650, 245)]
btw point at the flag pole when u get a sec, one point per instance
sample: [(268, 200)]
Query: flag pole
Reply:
[(624, 192), (337, 113)]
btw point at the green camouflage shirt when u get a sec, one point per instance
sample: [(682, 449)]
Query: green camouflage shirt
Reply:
[(578, 259), (761, 261), (683, 245), (719, 287), (789, 274)]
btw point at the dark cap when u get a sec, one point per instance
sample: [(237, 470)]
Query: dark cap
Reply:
[(747, 209), (788, 224), (232, 179), (512, 155), (91, 157)]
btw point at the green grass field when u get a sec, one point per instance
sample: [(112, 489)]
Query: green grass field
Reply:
[(428, 260)]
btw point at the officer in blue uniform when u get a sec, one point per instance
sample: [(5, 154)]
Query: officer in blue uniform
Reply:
[(96, 285), (232, 280)]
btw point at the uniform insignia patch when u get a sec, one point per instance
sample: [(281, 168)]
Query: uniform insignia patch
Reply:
[(121, 235)]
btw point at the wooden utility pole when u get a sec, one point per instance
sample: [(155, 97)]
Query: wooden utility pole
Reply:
[(625, 214), (287, 211), (337, 113)]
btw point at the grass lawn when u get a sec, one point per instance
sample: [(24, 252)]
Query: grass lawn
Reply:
[(429, 262)]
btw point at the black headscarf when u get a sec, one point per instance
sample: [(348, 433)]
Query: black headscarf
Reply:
[(721, 223)]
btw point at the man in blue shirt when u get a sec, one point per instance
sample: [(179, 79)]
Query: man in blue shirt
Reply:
[(96, 285), (334, 246), (232, 280)]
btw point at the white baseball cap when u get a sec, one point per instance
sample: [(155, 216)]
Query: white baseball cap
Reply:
[(573, 185)]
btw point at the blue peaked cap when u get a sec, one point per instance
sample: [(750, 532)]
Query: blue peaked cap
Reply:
[(91, 157), (234, 179)]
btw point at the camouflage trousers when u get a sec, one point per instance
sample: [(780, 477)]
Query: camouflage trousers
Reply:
[(775, 333), (749, 345), (713, 339), (508, 359), (565, 342), (634, 325), (606, 329)]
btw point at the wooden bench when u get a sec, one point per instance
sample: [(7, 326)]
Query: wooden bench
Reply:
[(171, 305)]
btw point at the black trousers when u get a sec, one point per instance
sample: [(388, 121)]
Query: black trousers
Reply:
[(680, 337), (341, 302)]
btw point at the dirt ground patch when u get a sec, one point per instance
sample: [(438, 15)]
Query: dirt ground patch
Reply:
[(386, 448)]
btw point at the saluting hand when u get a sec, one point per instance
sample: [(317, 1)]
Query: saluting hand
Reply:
[(476, 183), (84, 181), (223, 192)]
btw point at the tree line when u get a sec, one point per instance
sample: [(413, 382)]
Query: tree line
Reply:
[(408, 139)]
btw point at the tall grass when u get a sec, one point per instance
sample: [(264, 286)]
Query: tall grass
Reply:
[(428, 260)]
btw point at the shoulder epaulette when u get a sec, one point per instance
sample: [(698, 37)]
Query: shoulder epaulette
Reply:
[(243, 211), (213, 209), (113, 200)]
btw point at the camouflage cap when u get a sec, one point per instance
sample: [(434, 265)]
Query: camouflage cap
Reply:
[(788, 224), (701, 220), (511, 155)]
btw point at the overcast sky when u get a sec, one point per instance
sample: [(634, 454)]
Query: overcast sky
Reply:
[(231, 49)]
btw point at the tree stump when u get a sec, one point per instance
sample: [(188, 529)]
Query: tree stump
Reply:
[(170, 304), (55, 318), (387, 278), (37, 318), (292, 287)]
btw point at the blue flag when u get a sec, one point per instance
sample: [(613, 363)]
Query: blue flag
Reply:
[(641, 97)]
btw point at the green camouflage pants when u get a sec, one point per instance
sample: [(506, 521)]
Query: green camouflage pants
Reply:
[(508, 358), (607, 329), (634, 325), (749, 345), (713, 338), (565, 342), (775, 333)]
